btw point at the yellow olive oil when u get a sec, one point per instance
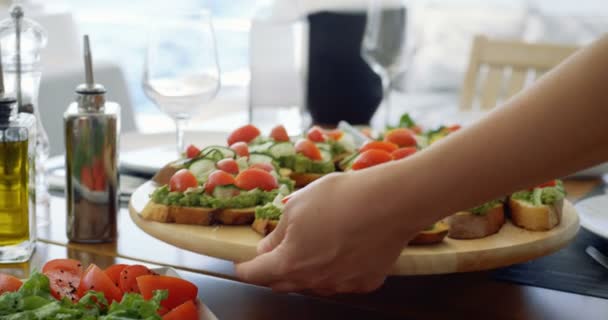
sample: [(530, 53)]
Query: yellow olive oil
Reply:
[(14, 192)]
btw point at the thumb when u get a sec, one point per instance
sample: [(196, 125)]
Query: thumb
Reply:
[(272, 240)]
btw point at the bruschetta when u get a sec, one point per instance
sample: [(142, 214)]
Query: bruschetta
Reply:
[(539, 208), (478, 222)]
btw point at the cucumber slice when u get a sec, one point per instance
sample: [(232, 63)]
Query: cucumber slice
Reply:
[(282, 149), (323, 146), (202, 168), (326, 155), (224, 192), (214, 155), (242, 163), (260, 158), (261, 148), (348, 161), (226, 152)]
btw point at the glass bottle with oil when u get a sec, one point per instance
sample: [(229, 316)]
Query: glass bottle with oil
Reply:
[(17, 182)]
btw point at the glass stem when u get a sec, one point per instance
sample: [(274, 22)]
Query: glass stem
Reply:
[(180, 123)]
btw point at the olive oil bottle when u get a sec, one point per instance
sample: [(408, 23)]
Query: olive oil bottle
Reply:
[(17, 195)]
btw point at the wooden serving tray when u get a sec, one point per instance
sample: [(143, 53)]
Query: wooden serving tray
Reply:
[(509, 246)]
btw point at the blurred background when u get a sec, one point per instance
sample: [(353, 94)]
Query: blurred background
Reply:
[(263, 51)]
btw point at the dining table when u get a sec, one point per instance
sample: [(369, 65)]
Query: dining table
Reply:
[(472, 295)]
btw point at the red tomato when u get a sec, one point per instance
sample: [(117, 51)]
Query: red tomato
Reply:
[(192, 151), (256, 178), (453, 128), (279, 133), (402, 137), (403, 152), (182, 180), (416, 129), (180, 290), (228, 165), (334, 134), (308, 149), (9, 283), (97, 280), (185, 311), (371, 158), (379, 145), (64, 277), (218, 178), (284, 201), (241, 149), (128, 276), (315, 134), (264, 166), (551, 183), (245, 133), (114, 273)]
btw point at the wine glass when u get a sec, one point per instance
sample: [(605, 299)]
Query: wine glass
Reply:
[(181, 71), (388, 45)]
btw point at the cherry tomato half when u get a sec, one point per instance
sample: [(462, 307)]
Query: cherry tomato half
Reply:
[(371, 158), (315, 134), (402, 137), (256, 178), (64, 277), (308, 149), (228, 165), (403, 152), (218, 178), (97, 280), (241, 149), (245, 133), (192, 151), (182, 180), (180, 290), (9, 283), (279, 133), (379, 145)]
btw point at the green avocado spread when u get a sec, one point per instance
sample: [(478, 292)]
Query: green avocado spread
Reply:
[(245, 199), (542, 196), (484, 208), (268, 211), (302, 164)]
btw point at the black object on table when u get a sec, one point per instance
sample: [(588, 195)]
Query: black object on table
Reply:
[(569, 269)]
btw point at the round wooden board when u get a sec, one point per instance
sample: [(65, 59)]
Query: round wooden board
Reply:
[(509, 246)]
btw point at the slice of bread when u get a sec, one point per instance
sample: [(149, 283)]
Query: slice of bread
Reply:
[(466, 225), (536, 218), (235, 216), (264, 226), (173, 214), (303, 179), (432, 236)]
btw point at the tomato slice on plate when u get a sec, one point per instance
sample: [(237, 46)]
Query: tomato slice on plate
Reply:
[(114, 272), (245, 133), (279, 134), (228, 165), (315, 134), (371, 158), (128, 277), (241, 149), (185, 311), (379, 145), (402, 137), (64, 277), (180, 290), (252, 178), (192, 151), (218, 178), (182, 180), (308, 149), (97, 280), (9, 283)]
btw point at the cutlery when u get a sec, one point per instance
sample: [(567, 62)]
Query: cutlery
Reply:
[(597, 256)]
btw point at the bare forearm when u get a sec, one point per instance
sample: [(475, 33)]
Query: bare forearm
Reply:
[(558, 126)]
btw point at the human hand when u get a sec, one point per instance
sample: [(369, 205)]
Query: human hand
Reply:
[(335, 236)]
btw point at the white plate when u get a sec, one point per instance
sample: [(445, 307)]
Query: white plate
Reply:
[(593, 213), (203, 311)]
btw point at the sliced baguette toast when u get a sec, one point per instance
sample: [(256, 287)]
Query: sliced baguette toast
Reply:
[(466, 225), (432, 236), (264, 226), (195, 215), (172, 214), (303, 179), (536, 218)]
